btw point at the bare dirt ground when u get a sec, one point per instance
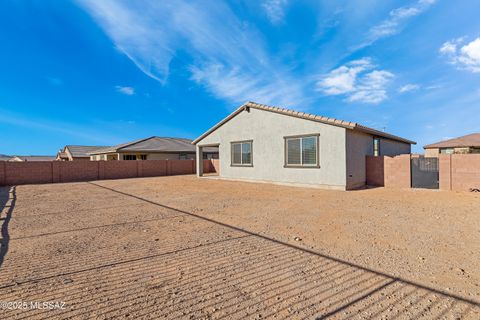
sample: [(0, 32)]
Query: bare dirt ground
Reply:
[(188, 248)]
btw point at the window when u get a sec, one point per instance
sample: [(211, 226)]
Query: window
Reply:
[(446, 150), (376, 147), (301, 151), (242, 153), (143, 157), (129, 157)]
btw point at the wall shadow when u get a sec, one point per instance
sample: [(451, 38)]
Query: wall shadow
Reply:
[(237, 274), (8, 197), (378, 282)]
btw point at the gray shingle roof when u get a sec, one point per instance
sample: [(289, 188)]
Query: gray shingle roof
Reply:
[(154, 144), (470, 140), (83, 151)]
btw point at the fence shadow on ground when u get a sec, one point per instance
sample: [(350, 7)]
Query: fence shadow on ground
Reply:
[(7, 203), (342, 294), (242, 275)]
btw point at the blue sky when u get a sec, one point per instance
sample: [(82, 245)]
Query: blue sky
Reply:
[(104, 72)]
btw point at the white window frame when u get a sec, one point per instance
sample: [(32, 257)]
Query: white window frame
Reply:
[(377, 141), (301, 164), (241, 164)]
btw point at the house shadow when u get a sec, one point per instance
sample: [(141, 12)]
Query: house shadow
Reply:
[(7, 204)]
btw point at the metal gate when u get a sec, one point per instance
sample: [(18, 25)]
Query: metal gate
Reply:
[(424, 172)]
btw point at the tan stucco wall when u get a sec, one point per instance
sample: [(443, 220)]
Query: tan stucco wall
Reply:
[(393, 148), (358, 146), (267, 130), (150, 156), (433, 153), (169, 156)]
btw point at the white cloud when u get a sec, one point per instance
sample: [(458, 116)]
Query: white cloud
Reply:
[(54, 81), (136, 33), (408, 87), (358, 81), (233, 83), (129, 91), (275, 10), (151, 33), (395, 22), (466, 57), (449, 47)]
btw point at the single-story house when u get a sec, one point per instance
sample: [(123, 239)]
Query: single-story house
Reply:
[(263, 143), (464, 144), (32, 158), (152, 148), (75, 153)]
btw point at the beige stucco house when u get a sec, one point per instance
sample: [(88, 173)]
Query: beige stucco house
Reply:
[(152, 148), (77, 153), (263, 143), (469, 143)]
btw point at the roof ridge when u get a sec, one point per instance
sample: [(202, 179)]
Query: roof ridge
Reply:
[(79, 145), (128, 144), (302, 115), (456, 142)]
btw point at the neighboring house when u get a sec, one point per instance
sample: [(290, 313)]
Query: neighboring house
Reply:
[(75, 153), (465, 144), (4, 157), (31, 158), (263, 143), (152, 148)]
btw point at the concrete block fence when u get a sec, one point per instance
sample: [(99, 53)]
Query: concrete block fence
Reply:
[(16, 173), (457, 172), (391, 172)]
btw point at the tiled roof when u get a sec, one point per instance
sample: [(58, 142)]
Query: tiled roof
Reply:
[(154, 144), (306, 116), (470, 140), (83, 151)]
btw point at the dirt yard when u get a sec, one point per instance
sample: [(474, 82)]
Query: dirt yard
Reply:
[(188, 248)]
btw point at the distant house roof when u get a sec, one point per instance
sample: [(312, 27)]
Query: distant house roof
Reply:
[(32, 158), (470, 140), (306, 116), (82, 151), (4, 157), (154, 144)]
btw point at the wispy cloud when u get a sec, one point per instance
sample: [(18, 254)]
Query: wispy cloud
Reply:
[(358, 81), (408, 87), (129, 91), (73, 130), (466, 57), (222, 47), (54, 81), (275, 10), (395, 22)]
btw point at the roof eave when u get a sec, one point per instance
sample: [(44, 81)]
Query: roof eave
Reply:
[(383, 134), (301, 115), (219, 124)]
